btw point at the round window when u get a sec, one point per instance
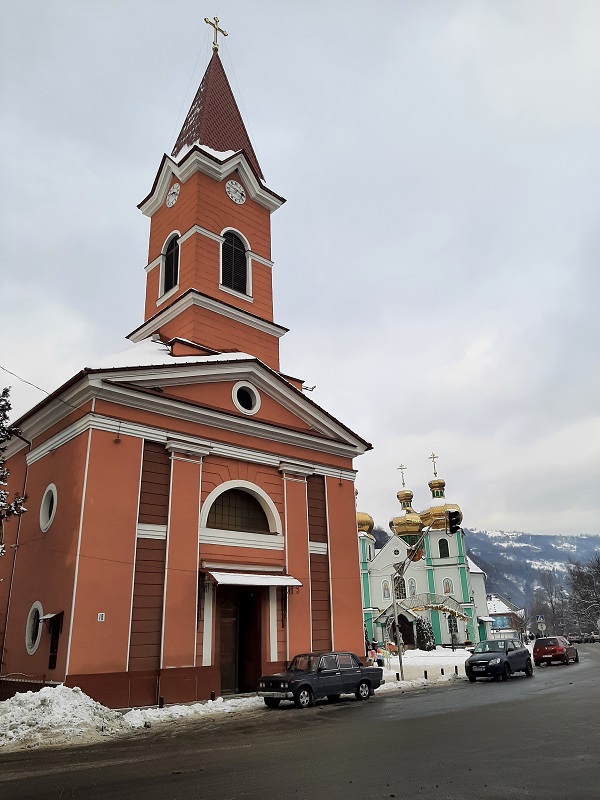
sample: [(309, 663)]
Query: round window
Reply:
[(396, 552), (48, 507), (33, 628), (246, 398)]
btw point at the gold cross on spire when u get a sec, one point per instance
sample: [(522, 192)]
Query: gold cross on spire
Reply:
[(218, 30), (433, 457), (402, 468)]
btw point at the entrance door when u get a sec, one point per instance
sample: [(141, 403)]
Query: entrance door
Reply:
[(240, 637), (407, 631)]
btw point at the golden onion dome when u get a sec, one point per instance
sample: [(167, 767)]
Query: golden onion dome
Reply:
[(407, 522), (434, 513), (364, 522)]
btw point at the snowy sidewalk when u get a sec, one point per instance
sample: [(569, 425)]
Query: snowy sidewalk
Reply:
[(62, 716)]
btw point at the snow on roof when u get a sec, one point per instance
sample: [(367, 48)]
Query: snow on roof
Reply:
[(497, 606), (150, 353), (222, 155), (473, 567)]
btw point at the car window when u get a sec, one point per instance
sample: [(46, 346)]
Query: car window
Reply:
[(306, 662), (346, 661), (546, 642), (510, 645), (329, 662)]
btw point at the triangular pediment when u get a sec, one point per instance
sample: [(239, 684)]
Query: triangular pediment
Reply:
[(210, 385)]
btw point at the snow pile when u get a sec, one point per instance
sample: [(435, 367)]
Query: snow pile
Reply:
[(140, 716), (61, 715), (54, 715)]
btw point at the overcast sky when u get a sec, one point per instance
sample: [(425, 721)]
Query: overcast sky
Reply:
[(436, 261)]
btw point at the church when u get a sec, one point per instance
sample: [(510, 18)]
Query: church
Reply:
[(425, 562), (190, 515)]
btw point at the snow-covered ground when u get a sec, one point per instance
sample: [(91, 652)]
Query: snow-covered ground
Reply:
[(63, 716)]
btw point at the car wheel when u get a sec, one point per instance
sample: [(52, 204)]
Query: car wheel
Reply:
[(472, 678), (529, 668), (506, 673), (566, 659), (333, 698), (363, 690), (576, 656), (272, 702), (303, 697)]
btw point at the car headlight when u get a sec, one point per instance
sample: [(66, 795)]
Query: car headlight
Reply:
[(494, 661), (284, 685), (261, 685)]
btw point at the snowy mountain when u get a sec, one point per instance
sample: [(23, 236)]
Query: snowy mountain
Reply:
[(512, 559)]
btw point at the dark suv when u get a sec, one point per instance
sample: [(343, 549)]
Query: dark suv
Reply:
[(554, 648), (314, 675), (498, 658)]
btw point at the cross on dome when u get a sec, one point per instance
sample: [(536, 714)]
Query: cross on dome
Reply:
[(433, 458), (217, 30), (402, 468)]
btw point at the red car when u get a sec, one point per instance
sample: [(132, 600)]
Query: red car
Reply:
[(554, 648)]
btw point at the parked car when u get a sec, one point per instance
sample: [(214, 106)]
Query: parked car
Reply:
[(595, 636), (554, 648), (574, 638), (498, 658), (311, 676)]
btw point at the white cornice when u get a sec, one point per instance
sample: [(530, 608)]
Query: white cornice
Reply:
[(147, 531), (253, 371), (318, 548), (260, 541), (197, 161), (193, 298), (203, 232), (175, 409), (109, 424)]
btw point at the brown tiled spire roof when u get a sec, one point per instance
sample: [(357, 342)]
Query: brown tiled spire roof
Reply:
[(214, 118)]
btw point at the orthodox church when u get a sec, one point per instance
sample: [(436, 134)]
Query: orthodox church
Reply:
[(191, 517), (427, 566)]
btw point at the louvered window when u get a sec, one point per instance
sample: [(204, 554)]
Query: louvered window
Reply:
[(234, 266), (171, 265)]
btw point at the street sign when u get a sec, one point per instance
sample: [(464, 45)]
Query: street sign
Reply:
[(539, 618), (542, 626)]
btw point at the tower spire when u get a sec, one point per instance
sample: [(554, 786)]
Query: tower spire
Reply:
[(214, 119)]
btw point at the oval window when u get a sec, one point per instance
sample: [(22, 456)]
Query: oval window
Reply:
[(33, 628), (246, 398), (48, 507)]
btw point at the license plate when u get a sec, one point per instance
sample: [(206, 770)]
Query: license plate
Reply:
[(478, 669)]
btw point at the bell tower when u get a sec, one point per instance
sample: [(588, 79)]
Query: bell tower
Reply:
[(209, 282)]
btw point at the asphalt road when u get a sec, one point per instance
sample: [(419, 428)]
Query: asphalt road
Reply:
[(527, 738)]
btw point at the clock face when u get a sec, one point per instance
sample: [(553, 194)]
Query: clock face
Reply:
[(235, 192), (173, 194)]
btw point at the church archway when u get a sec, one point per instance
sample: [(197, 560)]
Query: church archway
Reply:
[(406, 630)]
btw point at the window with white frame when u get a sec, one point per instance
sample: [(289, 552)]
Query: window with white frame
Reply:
[(444, 548), (234, 263), (171, 265)]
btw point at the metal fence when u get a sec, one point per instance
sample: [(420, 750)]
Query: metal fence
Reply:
[(16, 682)]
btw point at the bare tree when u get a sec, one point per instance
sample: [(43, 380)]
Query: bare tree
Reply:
[(584, 581), (551, 591), (15, 507)]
